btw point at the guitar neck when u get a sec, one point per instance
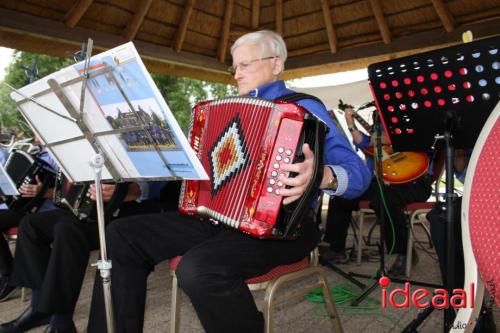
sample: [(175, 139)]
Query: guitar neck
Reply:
[(363, 122), (356, 116)]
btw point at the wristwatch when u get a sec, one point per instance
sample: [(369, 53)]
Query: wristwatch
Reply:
[(332, 184)]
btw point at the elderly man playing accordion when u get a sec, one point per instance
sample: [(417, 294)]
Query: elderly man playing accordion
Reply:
[(217, 259)]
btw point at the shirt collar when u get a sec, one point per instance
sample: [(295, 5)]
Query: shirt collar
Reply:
[(271, 90)]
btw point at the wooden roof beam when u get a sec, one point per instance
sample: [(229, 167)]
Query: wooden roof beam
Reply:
[(330, 29), (226, 25), (74, 15), (444, 15), (136, 22), (278, 15), (382, 23), (181, 30), (255, 14)]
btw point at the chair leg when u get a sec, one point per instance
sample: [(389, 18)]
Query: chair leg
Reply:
[(428, 233), (409, 246), (23, 294), (175, 306), (270, 300), (330, 304), (360, 238)]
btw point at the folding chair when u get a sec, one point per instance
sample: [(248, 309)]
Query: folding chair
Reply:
[(272, 281)]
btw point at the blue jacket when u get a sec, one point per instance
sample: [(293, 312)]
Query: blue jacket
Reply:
[(352, 175)]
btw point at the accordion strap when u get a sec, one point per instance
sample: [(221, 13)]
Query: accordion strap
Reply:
[(297, 96)]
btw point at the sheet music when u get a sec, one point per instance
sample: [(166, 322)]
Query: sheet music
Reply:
[(125, 113)]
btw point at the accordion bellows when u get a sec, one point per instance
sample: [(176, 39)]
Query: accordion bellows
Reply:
[(242, 142)]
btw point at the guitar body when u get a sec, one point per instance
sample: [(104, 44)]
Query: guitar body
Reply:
[(397, 168), (401, 167)]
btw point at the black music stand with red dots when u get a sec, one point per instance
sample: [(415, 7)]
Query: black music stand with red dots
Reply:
[(446, 94)]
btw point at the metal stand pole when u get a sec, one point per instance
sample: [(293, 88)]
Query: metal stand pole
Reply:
[(104, 265), (378, 174), (449, 283)]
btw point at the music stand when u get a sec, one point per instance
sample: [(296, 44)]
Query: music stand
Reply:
[(124, 129), (446, 94)]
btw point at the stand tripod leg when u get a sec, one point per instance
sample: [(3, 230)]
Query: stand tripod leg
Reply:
[(422, 315), (368, 291), (342, 273)]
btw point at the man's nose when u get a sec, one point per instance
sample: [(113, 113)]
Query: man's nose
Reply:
[(237, 73)]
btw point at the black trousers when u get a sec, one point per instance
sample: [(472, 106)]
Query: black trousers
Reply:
[(338, 217), (52, 253), (8, 219), (396, 197), (215, 263), (437, 217)]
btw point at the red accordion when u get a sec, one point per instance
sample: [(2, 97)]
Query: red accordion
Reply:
[(241, 142)]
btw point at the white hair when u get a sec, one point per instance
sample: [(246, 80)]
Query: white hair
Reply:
[(269, 42)]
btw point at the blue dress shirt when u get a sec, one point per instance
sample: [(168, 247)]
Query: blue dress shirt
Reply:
[(353, 176)]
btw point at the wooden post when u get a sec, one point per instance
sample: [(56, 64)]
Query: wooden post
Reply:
[(279, 16), (221, 52), (444, 15), (76, 12), (139, 15), (382, 23), (181, 30), (330, 29), (255, 13)]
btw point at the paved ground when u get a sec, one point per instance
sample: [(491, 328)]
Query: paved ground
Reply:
[(301, 316)]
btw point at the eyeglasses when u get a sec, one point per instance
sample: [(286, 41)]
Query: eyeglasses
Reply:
[(245, 66)]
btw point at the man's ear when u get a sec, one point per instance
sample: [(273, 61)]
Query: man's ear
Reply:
[(278, 66)]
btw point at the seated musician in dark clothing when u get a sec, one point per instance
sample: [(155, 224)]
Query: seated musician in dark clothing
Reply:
[(53, 250), (216, 259), (11, 217), (396, 197)]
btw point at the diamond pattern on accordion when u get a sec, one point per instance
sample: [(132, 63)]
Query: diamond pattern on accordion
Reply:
[(229, 155)]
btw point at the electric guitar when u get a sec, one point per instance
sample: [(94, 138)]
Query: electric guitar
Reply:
[(399, 167)]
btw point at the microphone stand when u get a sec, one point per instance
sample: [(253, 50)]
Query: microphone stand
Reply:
[(378, 174)]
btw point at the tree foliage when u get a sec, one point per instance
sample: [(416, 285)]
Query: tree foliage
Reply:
[(180, 93)]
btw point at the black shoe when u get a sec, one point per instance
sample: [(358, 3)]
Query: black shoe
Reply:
[(334, 257), (52, 329), (28, 319), (398, 268), (6, 291)]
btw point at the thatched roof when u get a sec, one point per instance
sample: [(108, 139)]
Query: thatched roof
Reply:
[(193, 37)]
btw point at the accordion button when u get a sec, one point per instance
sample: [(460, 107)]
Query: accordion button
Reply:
[(281, 150), (280, 183), (278, 158), (274, 173), (276, 165), (289, 152), (272, 181), (286, 160), (277, 191), (270, 189)]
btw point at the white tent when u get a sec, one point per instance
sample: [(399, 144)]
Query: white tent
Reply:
[(355, 93)]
